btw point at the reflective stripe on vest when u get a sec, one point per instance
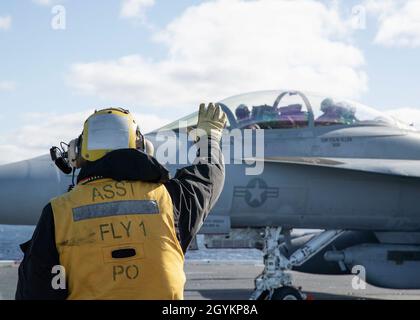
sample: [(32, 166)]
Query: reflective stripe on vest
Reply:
[(117, 240)]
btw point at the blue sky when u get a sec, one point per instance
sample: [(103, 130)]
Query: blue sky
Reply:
[(37, 58), (172, 55)]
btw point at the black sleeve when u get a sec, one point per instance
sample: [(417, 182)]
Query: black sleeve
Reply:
[(194, 191), (40, 255)]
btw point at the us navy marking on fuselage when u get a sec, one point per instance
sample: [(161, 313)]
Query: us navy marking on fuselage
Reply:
[(256, 192)]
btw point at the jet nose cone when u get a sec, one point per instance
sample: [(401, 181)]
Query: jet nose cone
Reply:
[(26, 187)]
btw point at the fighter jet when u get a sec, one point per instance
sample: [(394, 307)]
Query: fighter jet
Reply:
[(323, 163)]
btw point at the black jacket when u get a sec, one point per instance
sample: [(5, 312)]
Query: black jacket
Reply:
[(194, 191)]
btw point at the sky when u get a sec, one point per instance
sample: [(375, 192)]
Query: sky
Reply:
[(62, 59)]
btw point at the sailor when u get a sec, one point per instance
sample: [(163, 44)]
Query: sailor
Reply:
[(122, 232)]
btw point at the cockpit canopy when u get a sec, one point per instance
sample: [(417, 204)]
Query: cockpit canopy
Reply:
[(292, 110)]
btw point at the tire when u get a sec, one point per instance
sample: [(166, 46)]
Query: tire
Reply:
[(286, 293), (264, 295)]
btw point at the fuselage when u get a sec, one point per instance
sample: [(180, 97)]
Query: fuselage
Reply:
[(355, 172), (301, 195)]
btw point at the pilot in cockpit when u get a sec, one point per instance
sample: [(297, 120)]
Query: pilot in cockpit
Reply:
[(348, 112), (244, 119), (336, 113)]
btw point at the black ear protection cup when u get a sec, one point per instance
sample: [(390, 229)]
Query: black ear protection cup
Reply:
[(79, 146), (140, 137)]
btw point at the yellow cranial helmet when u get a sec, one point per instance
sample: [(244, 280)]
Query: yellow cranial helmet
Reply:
[(107, 130)]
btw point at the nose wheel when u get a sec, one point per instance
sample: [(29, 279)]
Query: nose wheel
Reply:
[(275, 283), (283, 293), (287, 293)]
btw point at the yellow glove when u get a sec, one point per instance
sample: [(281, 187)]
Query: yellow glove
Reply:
[(211, 121)]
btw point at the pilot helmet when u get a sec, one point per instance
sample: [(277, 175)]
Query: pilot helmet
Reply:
[(242, 112), (326, 104)]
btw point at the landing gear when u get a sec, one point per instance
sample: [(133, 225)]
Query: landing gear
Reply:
[(274, 283)]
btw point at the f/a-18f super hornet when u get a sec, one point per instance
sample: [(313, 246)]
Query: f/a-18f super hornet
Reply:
[(328, 164)]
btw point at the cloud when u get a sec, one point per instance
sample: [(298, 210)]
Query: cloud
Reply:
[(135, 8), (45, 2), (225, 47), (407, 115), (382, 8), (7, 86), (5, 23), (399, 22), (40, 131)]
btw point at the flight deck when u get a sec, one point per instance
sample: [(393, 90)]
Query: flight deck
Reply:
[(233, 280)]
